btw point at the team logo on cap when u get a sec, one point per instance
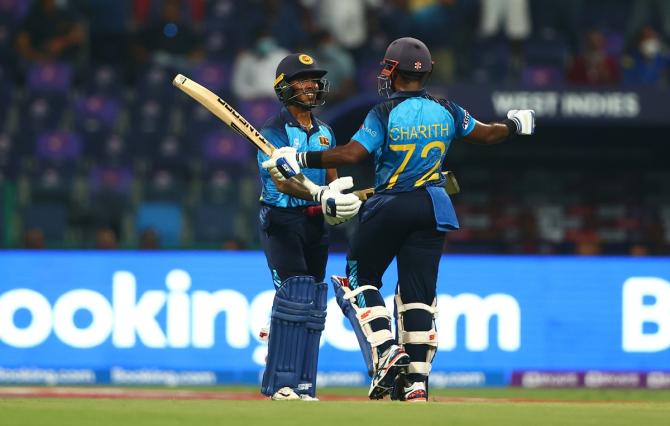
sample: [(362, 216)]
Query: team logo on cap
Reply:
[(417, 65), (305, 59)]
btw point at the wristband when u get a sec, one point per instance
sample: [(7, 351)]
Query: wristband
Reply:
[(513, 126), (310, 159)]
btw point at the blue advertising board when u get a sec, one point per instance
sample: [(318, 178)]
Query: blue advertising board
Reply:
[(193, 317)]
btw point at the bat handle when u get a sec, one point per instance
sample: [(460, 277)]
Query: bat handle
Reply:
[(313, 188)]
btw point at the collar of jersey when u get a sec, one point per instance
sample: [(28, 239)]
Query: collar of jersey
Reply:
[(288, 118), (415, 94)]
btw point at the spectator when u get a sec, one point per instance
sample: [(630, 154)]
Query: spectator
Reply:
[(339, 63), (50, 33), (149, 240), (344, 19), (594, 66), (254, 70), (283, 14), (34, 239), (514, 14), (105, 239), (394, 20), (648, 65), (169, 41)]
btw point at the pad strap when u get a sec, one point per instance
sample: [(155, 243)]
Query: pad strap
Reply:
[(419, 337), (367, 315), (409, 306), (419, 368)]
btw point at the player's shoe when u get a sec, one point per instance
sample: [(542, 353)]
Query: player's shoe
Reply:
[(305, 397), (392, 363), (415, 392), (285, 394)]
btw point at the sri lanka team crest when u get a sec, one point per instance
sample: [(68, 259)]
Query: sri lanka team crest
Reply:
[(324, 141), (306, 59)]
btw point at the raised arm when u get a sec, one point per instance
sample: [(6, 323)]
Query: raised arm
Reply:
[(488, 134), (351, 153), (518, 122)]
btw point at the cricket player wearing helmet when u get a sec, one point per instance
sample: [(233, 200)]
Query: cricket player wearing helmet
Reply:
[(293, 232)]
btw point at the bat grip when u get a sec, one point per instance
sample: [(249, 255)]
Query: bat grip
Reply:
[(313, 188)]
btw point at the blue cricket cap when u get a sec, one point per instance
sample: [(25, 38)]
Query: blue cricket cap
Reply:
[(295, 65), (411, 54)]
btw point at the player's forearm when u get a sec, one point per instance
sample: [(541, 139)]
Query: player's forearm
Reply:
[(351, 153), (491, 133), (293, 189)]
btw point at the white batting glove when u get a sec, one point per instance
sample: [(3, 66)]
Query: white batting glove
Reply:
[(283, 164), (524, 120), (341, 184), (338, 207)]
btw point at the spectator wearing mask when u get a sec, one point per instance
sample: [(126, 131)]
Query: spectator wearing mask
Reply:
[(649, 64), (254, 69)]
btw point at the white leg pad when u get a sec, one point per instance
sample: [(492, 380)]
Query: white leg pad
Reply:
[(366, 315), (428, 337)]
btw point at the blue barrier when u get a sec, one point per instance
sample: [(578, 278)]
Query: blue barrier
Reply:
[(193, 317)]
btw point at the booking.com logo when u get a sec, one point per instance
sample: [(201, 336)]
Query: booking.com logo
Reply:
[(130, 318)]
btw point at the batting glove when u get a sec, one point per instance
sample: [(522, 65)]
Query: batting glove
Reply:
[(338, 207), (524, 120), (283, 164)]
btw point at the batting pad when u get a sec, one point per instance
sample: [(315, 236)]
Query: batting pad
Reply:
[(296, 323), (360, 319), (314, 326)]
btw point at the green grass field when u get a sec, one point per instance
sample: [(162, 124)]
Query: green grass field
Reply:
[(498, 406)]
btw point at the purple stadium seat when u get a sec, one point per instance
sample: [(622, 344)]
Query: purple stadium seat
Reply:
[(59, 147), (110, 148), (546, 51), (14, 9), (55, 77), (615, 43), (366, 76), (51, 184), (223, 147), (535, 76), (111, 179), (148, 123), (169, 153), (214, 76), (104, 80), (156, 83), (257, 111), (42, 111), (96, 113), (164, 185)]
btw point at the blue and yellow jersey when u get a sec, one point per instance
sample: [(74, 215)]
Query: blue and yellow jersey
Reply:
[(409, 136), (283, 130)]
